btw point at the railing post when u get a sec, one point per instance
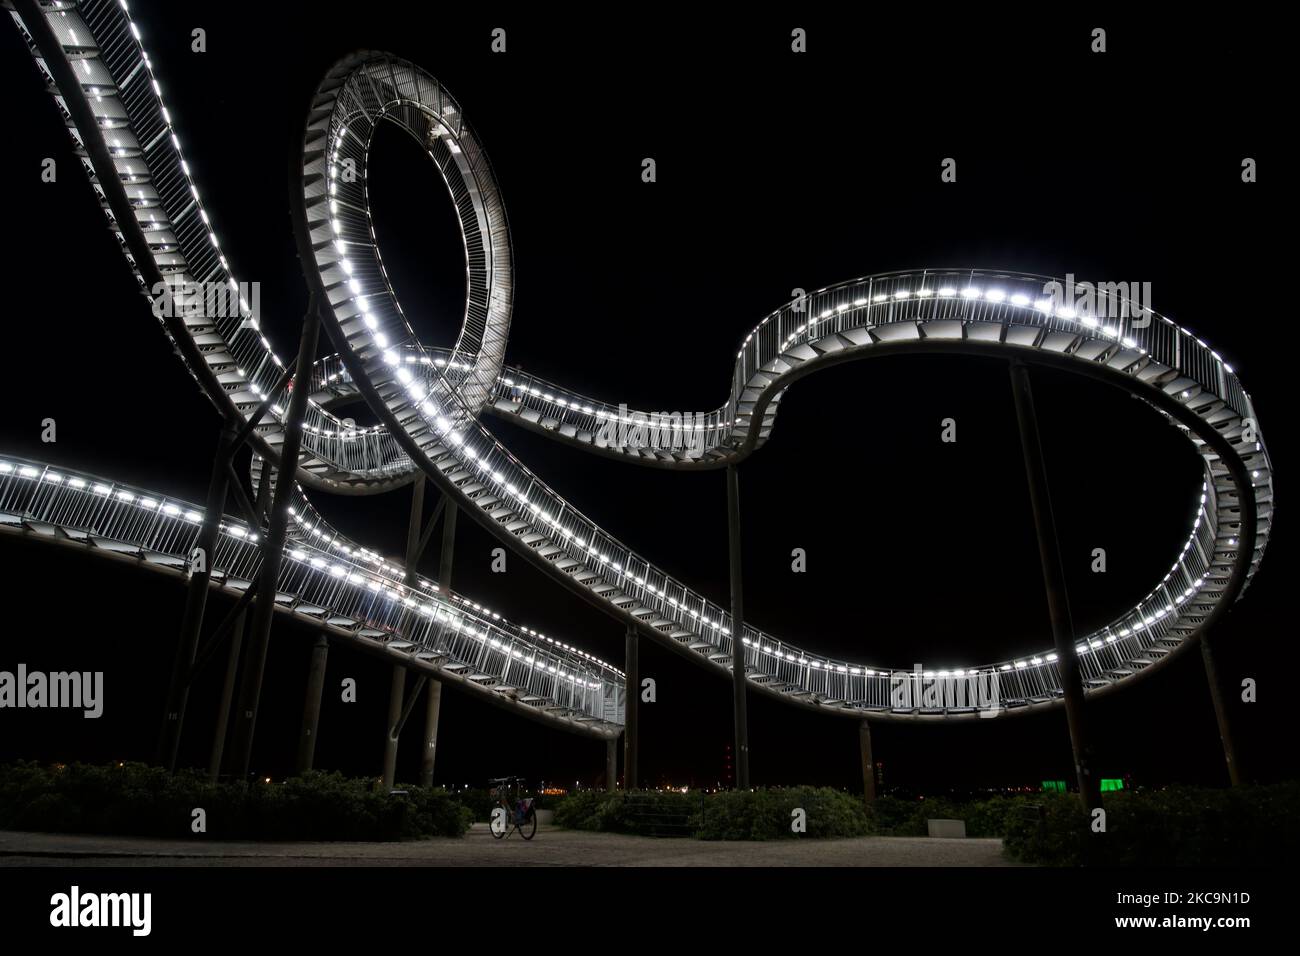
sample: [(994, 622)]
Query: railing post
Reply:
[(739, 681), (250, 691), (196, 600), (1058, 601)]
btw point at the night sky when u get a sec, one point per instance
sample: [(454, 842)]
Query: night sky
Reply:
[(775, 171)]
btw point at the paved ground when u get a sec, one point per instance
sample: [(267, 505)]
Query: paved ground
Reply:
[(551, 847)]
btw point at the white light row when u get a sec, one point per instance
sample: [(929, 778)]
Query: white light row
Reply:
[(30, 472), (246, 311), (329, 539), (237, 531), (973, 292), (969, 293), (427, 609), (606, 415), (100, 488)]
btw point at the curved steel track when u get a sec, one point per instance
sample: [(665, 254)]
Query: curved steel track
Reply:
[(429, 401)]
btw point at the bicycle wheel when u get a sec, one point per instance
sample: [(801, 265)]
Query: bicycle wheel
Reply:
[(529, 827), (500, 822)]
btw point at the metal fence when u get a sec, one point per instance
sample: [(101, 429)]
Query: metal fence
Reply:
[(319, 584)]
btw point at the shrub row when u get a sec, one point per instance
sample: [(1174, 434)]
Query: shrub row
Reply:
[(729, 815), (892, 816), (1176, 826), (139, 800), (1180, 826)]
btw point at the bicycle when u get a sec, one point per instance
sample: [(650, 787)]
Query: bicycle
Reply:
[(519, 813)]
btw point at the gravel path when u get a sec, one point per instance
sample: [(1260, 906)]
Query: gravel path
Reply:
[(551, 847)]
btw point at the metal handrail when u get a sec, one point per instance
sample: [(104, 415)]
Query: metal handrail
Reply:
[(318, 582)]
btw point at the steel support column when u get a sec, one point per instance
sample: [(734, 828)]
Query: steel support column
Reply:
[(227, 696), (1058, 601), (611, 764), (448, 546), (310, 731), (413, 527), (868, 762), (430, 752), (433, 704), (250, 690), (631, 705), (236, 645), (1236, 772), (739, 688), (196, 600), (396, 695)]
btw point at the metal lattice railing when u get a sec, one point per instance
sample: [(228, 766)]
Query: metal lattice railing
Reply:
[(321, 585)]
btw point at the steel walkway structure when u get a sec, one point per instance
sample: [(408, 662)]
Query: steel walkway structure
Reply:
[(429, 401), (329, 584)]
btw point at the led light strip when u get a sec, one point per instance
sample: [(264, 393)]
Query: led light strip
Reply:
[(482, 624)]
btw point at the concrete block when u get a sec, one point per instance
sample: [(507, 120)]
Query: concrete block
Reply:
[(947, 829)]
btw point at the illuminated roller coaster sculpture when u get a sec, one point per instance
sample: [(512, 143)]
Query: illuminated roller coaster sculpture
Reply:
[(429, 402)]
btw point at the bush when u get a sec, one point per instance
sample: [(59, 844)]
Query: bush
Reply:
[(991, 817), (1051, 830), (479, 802), (139, 800), (892, 816), (730, 815), (552, 801), (767, 814), (1180, 826), (587, 810)]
